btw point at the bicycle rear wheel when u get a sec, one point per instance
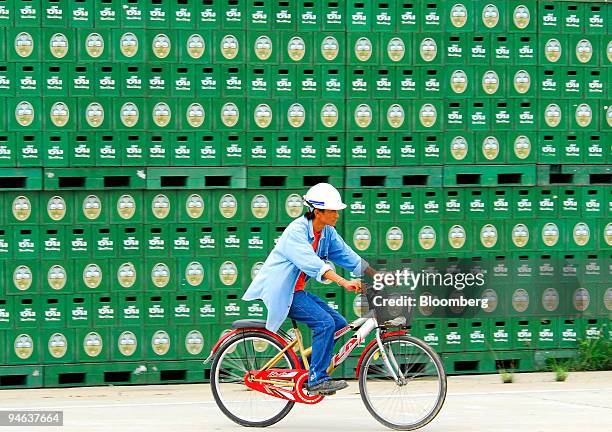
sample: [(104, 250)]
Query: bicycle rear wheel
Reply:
[(405, 406), (248, 350)]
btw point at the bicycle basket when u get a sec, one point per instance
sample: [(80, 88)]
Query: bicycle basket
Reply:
[(391, 305)]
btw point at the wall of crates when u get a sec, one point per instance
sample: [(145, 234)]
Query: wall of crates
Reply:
[(151, 153)]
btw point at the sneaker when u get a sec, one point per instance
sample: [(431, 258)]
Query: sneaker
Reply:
[(327, 388)]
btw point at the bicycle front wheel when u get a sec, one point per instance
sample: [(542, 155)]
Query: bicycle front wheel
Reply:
[(414, 402), (245, 351)]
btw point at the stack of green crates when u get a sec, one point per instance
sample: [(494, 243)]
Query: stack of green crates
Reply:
[(502, 175), (152, 153)]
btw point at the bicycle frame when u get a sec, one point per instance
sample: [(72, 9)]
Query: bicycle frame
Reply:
[(363, 327)]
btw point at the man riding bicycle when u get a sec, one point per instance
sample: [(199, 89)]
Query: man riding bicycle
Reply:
[(301, 253)]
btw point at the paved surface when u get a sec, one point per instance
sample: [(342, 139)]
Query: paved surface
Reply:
[(533, 403)]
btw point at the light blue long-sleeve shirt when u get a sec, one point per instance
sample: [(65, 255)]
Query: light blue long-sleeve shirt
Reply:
[(293, 254)]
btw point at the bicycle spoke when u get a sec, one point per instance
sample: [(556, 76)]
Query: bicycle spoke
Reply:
[(231, 376), (250, 358), (237, 363)]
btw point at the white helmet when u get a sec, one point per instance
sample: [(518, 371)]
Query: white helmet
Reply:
[(324, 196)]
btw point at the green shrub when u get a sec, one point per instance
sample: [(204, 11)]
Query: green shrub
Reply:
[(507, 377), (593, 355)]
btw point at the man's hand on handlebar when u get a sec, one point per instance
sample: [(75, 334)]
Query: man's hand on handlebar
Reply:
[(352, 285)]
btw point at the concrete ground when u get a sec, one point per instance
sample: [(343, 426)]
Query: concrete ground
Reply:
[(533, 403)]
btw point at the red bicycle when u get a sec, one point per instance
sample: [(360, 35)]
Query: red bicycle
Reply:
[(257, 376)]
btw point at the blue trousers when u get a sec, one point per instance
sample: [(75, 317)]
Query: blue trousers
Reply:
[(324, 322)]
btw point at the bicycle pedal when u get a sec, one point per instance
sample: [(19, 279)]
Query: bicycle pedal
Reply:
[(321, 393)]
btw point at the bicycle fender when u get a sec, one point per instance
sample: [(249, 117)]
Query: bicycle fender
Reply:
[(372, 342), (226, 336)]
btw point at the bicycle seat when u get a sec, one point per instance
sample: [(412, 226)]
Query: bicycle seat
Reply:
[(245, 323)]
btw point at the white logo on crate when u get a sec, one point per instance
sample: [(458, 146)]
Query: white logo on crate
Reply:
[(208, 15)]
